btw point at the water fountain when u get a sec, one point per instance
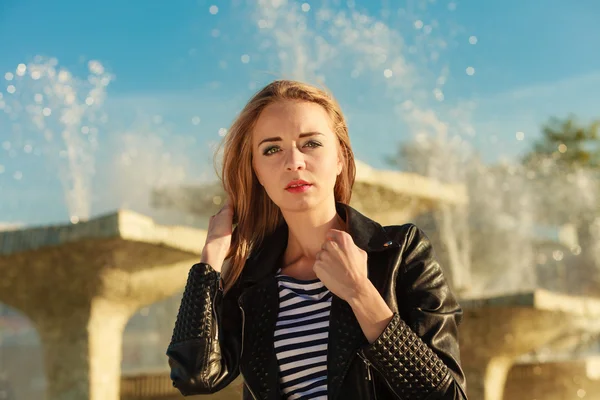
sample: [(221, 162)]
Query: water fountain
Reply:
[(508, 311), (92, 274)]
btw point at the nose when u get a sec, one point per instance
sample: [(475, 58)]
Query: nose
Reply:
[(295, 160)]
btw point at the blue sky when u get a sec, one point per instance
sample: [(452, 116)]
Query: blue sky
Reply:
[(180, 71)]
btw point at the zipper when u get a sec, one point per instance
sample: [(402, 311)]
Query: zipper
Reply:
[(214, 311), (242, 349), (369, 374), (369, 365)]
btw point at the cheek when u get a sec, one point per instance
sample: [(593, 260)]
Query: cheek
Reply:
[(264, 172)]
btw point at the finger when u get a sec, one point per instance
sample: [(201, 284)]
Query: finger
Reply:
[(337, 235), (318, 267), (228, 207)]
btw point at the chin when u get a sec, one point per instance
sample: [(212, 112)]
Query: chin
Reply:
[(301, 203)]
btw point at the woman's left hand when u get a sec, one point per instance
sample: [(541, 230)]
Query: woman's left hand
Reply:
[(341, 265)]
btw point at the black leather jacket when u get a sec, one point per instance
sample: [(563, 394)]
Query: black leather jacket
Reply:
[(218, 336)]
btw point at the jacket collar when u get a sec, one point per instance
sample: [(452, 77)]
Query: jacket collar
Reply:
[(366, 234)]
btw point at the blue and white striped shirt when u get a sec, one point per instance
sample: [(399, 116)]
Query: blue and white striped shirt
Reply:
[(301, 336)]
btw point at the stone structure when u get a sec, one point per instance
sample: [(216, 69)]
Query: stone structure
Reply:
[(158, 386), (389, 197), (79, 284), (497, 330), (557, 380)]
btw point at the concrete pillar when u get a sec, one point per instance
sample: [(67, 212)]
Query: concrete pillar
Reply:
[(498, 329), (80, 284)]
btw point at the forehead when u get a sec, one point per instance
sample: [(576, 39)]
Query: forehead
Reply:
[(292, 118)]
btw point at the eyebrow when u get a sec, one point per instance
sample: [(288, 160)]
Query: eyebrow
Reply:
[(278, 139)]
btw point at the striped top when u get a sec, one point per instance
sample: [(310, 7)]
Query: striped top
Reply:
[(301, 337)]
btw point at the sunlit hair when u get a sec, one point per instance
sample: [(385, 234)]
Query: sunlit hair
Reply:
[(254, 212)]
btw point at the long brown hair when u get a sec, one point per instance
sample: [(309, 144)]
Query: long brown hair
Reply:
[(255, 214)]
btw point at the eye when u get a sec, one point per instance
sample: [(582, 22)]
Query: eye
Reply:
[(312, 143), (269, 150)]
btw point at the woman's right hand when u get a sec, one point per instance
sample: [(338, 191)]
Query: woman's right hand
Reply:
[(218, 238)]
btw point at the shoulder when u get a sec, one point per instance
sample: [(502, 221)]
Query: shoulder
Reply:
[(406, 234), (415, 248)]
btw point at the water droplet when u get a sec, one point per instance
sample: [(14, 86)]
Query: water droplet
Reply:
[(581, 393), (245, 58), (18, 175), (388, 73), (74, 219), (27, 148), (439, 95), (262, 24), (213, 10), (195, 120), (520, 135), (473, 39), (63, 76), (452, 6), (470, 71), (215, 33), (21, 69), (9, 76), (11, 89), (222, 132), (96, 67), (38, 98), (305, 7), (46, 112), (562, 148), (85, 130), (35, 75), (427, 29), (418, 24), (557, 255)]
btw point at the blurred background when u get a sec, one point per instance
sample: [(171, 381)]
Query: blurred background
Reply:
[(475, 120)]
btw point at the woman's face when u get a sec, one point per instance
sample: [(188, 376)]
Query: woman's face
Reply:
[(294, 141)]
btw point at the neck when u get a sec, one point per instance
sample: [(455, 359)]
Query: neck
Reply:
[(307, 230)]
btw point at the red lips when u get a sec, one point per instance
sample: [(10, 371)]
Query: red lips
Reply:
[(296, 182)]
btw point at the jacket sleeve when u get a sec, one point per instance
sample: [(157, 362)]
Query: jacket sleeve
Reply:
[(205, 346), (417, 353)]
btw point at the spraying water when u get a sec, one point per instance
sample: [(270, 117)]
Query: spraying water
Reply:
[(66, 113)]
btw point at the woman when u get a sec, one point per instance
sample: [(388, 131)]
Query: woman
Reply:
[(317, 300)]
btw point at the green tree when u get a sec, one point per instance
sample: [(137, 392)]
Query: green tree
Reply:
[(568, 143)]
